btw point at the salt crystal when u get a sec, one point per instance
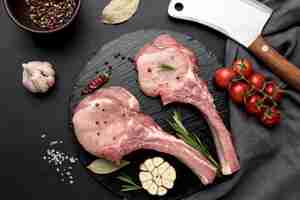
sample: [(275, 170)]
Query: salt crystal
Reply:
[(72, 160), (61, 161)]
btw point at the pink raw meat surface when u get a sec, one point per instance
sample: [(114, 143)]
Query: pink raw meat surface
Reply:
[(182, 84), (108, 124)]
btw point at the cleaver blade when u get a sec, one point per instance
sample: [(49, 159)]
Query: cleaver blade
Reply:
[(243, 21)]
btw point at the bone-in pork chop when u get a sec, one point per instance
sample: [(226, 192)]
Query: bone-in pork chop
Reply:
[(168, 69), (108, 124)]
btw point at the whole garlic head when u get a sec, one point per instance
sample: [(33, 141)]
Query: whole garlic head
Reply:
[(157, 176), (38, 77)]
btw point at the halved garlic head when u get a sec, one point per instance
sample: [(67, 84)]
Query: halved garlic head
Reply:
[(157, 176)]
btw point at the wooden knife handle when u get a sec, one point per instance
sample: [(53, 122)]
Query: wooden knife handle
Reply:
[(276, 62)]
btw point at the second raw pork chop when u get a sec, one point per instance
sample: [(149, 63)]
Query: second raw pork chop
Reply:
[(108, 124), (168, 69)]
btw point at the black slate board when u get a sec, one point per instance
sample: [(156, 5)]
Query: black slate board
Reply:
[(117, 54)]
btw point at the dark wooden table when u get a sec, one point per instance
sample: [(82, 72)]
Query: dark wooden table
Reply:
[(23, 173)]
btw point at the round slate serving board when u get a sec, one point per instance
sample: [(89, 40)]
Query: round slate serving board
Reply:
[(119, 54)]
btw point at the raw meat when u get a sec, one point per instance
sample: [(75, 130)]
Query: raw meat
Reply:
[(180, 83), (108, 124)]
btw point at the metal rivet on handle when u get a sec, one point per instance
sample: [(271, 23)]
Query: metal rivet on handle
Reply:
[(179, 6), (265, 48)]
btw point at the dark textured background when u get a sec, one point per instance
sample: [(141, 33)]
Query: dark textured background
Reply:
[(23, 174)]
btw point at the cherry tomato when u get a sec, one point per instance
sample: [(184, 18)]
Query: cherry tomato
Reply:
[(254, 104), (223, 76), (242, 67), (257, 81), (237, 92), (274, 91), (271, 117)]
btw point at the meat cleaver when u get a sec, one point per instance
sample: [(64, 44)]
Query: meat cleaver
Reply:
[(243, 21)]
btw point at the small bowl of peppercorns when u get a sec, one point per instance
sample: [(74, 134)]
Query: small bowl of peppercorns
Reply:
[(42, 16)]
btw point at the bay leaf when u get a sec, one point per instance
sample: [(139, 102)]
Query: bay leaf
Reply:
[(119, 11), (102, 166)]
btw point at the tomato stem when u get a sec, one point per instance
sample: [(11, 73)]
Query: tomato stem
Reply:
[(261, 91)]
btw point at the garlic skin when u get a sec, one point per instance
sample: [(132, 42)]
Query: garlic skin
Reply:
[(38, 77), (157, 176)]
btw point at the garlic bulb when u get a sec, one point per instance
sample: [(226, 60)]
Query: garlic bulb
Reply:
[(38, 77), (157, 176)]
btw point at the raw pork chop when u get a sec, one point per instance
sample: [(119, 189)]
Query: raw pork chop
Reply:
[(180, 83), (108, 124)]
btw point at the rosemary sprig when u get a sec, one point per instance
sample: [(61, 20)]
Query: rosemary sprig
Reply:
[(166, 67), (130, 184), (191, 139)]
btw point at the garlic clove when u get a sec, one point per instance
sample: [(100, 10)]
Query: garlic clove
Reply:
[(162, 168), (158, 180), (149, 164), (147, 185), (27, 83), (28, 69), (169, 174), (162, 191), (153, 189), (39, 82), (157, 161), (50, 81), (155, 172), (46, 68), (143, 167), (150, 187), (167, 183), (144, 176)]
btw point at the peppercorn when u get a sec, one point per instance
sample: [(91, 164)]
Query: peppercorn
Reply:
[(50, 14)]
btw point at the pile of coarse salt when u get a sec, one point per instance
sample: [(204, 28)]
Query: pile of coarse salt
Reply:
[(62, 162)]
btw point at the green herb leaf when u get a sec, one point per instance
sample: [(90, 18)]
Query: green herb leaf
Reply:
[(191, 139), (165, 67), (130, 184), (128, 188), (102, 166), (126, 179)]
